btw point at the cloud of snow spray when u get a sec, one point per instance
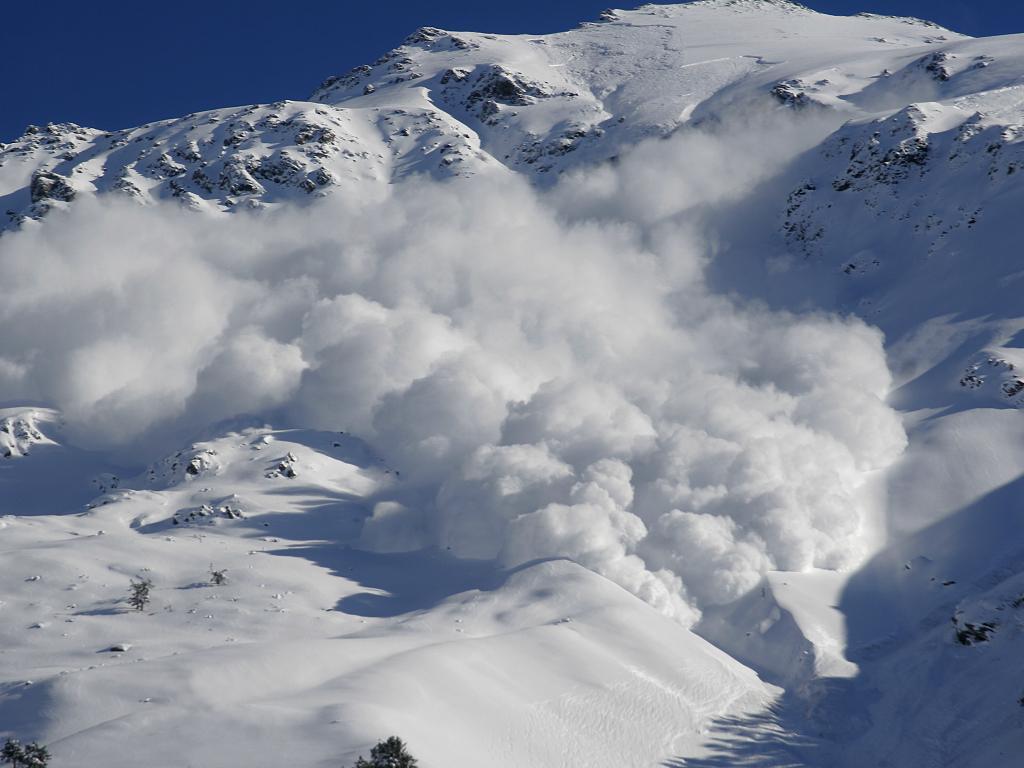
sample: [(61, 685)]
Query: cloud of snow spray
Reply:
[(547, 370)]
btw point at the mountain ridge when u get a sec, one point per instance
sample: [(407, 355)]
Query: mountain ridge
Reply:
[(373, 123)]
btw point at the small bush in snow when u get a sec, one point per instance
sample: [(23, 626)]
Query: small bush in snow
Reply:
[(138, 596), (217, 578), (390, 753)]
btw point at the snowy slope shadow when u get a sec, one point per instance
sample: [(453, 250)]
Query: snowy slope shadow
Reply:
[(782, 736), (917, 583), (898, 610), (39, 473), (399, 583), (20, 703), (315, 514)]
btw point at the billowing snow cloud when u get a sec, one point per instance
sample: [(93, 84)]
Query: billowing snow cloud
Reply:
[(547, 370)]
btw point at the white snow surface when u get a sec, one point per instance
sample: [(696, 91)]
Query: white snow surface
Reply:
[(643, 394), (309, 648)]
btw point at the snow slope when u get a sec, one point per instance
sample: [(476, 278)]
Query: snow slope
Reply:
[(312, 648), (336, 628)]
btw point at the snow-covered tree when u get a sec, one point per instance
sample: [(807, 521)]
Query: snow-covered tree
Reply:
[(12, 753), (28, 756), (390, 753), (35, 756)]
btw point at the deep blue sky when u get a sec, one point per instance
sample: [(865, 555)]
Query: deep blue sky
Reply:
[(116, 64)]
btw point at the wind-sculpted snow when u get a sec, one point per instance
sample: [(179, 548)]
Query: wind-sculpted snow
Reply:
[(546, 383)]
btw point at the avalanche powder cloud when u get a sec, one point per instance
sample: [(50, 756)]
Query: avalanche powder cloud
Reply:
[(547, 370)]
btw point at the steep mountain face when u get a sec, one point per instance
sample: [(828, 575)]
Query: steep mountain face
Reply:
[(863, 165), (446, 103)]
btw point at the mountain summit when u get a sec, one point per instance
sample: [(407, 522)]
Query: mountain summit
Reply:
[(447, 104)]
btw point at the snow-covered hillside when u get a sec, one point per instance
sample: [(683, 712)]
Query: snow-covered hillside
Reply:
[(446, 103), (644, 394)]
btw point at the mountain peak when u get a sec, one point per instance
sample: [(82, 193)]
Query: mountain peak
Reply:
[(448, 104), (743, 5), (755, 4)]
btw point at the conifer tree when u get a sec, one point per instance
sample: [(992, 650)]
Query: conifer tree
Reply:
[(138, 597), (36, 756), (12, 753), (390, 753), (28, 756)]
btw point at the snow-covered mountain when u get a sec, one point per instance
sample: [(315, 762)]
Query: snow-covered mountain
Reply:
[(447, 103), (643, 394)]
